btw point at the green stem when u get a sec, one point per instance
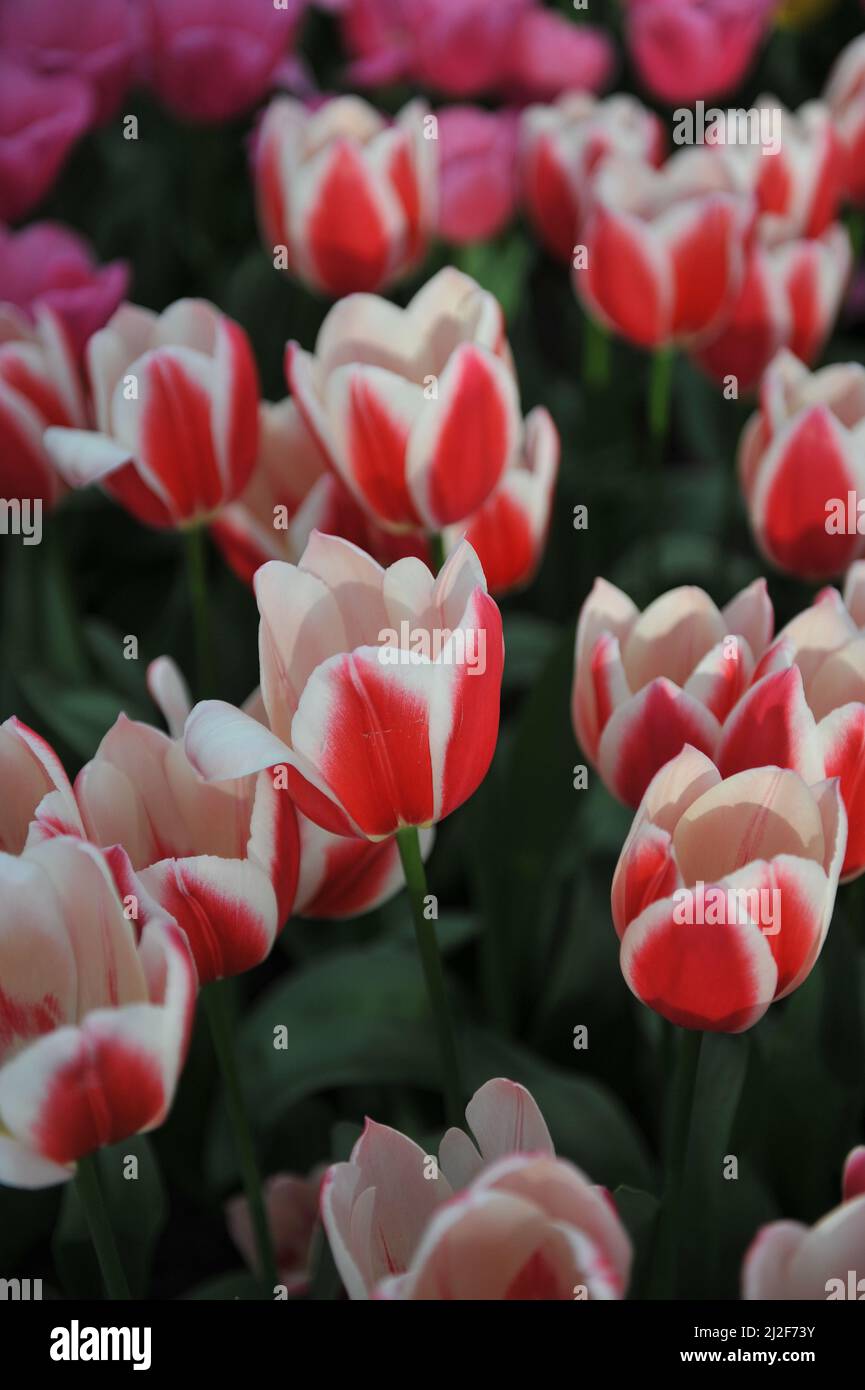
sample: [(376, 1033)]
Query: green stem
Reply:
[(90, 1195), (221, 1031), (424, 929), (195, 540), (660, 384), (437, 551), (597, 354), (666, 1272), (856, 230)]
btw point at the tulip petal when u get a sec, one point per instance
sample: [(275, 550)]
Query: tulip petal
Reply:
[(505, 1119), (772, 725), (842, 736), (646, 731)]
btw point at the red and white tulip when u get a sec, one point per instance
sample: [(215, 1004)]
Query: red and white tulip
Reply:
[(175, 397), (40, 386), (802, 466), (381, 689), (498, 1217), (645, 684), (416, 409), (561, 148), (313, 165), (845, 97), (700, 943), (666, 249), (95, 1012)]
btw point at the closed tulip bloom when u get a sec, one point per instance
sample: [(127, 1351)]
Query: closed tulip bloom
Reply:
[(40, 120), (291, 1203), (501, 1218), (96, 42), (477, 173), (416, 409), (175, 398), (645, 684), (381, 689), (797, 181), (40, 387), (292, 493), (49, 264), (509, 531), (690, 49), (790, 1261), (724, 890), (791, 297), (801, 460), (209, 60), (845, 97), (550, 55), (561, 148), (666, 249), (95, 1013), (311, 166)]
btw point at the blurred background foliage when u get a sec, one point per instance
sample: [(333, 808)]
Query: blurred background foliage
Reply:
[(522, 872)]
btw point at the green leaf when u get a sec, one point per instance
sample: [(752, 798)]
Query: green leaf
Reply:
[(80, 716), (238, 1285)]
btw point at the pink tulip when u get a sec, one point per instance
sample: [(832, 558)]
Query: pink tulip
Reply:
[(724, 890), (509, 531), (550, 55), (477, 174), (33, 779), (801, 456), (790, 298), (505, 1220), (686, 50), (789, 1261), (291, 1204), (798, 184), (561, 148), (209, 60), (845, 97), (176, 405), (645, 684), (292, 493), (47, 263), (666, 249), (312, 165), (95, 1013), (40, 120), (416, 409), (39, 387), (96, 42), (381, 689)]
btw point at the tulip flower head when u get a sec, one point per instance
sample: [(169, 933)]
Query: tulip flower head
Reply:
[(724, 890), (497, 1218), (845, 97), (40, 388), (48, 264), (686, 50)]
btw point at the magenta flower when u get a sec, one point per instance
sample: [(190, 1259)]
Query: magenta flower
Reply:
[(40, 120), (49, 264)]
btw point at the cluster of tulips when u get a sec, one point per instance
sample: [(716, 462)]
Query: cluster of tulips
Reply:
[(378, 511)]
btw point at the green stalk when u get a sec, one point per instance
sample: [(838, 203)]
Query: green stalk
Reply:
[(90, 1196), (437, 551), (660, 391), (665, 1274), (597, 355), (221, 1031), (428, 950), (195, 541)]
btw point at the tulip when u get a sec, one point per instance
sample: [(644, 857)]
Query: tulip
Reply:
[(40, 120), (500, 1221), (176, 405), (34, 782), (790, 298), (845, 97), (292, 1211), (373, 736), (550, 55), (96, 42), (49, 264), (724, 889), (311, 165), (665, 249), (645, 684), (292, 493), (416, 409), (789, 1261), (802, 463), (95, 1012), (798, 184), (561, 148), (686, 50), (477, 173), (39, 387), (509, 531), (209, 60)]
